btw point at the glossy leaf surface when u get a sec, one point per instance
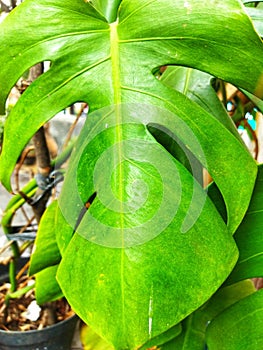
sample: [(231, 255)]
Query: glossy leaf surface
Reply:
[(137, 263), (113, 273), (111, 48)]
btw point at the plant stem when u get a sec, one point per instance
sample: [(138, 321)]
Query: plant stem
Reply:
[(42, 152), (29, 190), (13, 3), (223, 91), (20, 292), (15, 295), (44, 161), (108, 8), (12, 267), (44, 168)]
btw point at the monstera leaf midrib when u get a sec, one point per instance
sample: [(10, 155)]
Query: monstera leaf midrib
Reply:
[(117, 100), (115, 63)]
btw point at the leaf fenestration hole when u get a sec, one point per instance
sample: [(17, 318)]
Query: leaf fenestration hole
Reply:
[(84, 209)]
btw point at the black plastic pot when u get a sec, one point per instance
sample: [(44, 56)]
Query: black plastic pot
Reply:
[(56, 337)]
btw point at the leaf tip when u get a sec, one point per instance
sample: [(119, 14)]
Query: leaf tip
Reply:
[(5, 179)]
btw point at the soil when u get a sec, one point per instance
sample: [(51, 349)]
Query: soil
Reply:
[(13, 317)]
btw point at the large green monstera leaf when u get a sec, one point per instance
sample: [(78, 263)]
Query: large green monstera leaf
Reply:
[(142, 245)]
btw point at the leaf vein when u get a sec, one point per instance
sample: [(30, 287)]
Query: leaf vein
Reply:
[(254, 211), (137, 9), (71, 78), (64, 9), (64, 36), (250, 258)]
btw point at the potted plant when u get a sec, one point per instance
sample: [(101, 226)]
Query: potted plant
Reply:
[(23, 323), (52, 325), (145, 249)]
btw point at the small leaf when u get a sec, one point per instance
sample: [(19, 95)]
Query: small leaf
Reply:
[(257, 101), (47, 288), (249, 237), (239, 327), (46, 252), (194, 327)]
